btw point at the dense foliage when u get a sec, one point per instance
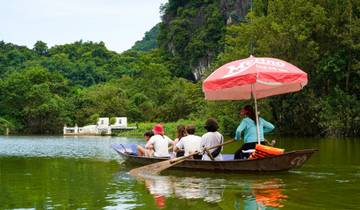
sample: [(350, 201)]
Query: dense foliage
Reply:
[(322, 38), (191, 33), (43, 88), (319, 36), (149, 42)]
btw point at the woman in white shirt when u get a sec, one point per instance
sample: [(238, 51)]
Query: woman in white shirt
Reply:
[(190, 143), (180, 133)]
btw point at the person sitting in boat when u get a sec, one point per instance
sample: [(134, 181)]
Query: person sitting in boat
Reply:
[(180, 133), (159, 142), (189, 143), (247, 128), (212, 138), (141, 151)]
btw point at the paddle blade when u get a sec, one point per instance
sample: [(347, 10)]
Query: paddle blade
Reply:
[(154, 168)]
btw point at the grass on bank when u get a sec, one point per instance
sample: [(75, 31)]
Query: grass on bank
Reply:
[(170, 128)]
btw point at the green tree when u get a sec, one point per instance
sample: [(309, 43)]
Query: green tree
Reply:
[(103, 100), (149, 41), (34, 100), (4, 125), (40, 48), (319, 37)]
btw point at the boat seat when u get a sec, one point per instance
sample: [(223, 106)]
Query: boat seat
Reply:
[(228, 156), (133, 151), (130, 149)]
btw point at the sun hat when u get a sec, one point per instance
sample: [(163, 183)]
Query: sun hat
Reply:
[(158, 129)]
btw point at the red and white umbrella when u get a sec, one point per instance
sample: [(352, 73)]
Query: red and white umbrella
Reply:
[(253, 77)]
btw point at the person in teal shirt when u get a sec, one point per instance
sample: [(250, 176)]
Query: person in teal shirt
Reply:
[(247, 128)]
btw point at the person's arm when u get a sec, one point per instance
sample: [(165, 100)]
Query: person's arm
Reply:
[(203, 141), (268, 127), (179, 146), (175, 142), (222, 141), (170, 142), (239, 130), (149, 144)]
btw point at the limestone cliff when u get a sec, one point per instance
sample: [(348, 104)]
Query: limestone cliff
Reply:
[(192, 32)]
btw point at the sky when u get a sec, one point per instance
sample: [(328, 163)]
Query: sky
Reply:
[(118, 23)]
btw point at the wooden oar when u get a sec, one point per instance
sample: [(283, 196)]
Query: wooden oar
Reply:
[(156, 168)]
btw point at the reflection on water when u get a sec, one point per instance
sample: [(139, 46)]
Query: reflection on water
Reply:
[(209, 190), (269, 193), (255, 194), (159, 188)]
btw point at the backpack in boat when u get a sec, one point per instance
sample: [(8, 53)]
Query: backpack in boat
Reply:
[(217, 151)]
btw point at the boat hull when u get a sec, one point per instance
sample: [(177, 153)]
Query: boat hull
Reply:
[(287, 161)]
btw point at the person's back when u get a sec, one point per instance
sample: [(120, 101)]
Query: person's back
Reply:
[(190, 143), (161, 144), (249, 130), (212, 138)]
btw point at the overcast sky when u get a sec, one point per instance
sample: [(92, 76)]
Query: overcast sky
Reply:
[(118, 23)]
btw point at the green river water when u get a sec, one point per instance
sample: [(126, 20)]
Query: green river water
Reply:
[(85, 173)]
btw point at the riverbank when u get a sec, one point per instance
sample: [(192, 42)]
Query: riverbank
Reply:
[(170, 128)]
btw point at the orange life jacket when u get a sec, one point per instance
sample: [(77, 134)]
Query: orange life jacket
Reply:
[(262, 151)]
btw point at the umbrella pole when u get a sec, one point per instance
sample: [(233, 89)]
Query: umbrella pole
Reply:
[(256, 114)]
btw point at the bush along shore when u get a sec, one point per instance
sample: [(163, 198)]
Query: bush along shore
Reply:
[(170, 128)]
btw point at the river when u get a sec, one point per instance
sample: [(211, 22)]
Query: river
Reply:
[(52, 172)]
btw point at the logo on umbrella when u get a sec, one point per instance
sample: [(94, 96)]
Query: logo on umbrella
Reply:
[(237, 67)]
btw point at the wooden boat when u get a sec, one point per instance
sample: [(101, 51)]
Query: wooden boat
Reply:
[(284, 162)]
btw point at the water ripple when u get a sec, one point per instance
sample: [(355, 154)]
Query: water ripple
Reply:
[(69, 147)]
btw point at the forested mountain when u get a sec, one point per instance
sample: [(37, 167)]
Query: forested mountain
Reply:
[(319, 36), (43, 88), (323, 39), (192, 32), (149, 42)]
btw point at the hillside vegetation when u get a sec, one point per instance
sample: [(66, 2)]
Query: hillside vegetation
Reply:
[(42, 88)]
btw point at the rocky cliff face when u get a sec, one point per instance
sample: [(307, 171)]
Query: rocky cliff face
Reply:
[(192, 32), (234, 11)]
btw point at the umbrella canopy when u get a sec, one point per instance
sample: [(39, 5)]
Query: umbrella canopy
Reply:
[(253, 77), (262, 77)]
